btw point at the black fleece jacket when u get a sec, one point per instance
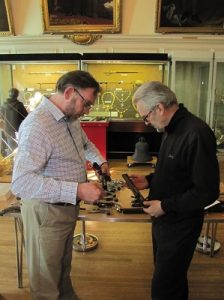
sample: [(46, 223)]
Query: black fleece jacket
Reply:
[(186, 177)]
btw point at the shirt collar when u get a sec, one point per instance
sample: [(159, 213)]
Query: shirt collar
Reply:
[(53, 109)]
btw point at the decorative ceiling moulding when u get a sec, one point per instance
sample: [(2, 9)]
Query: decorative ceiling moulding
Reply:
[(6, 22), (81, 21)]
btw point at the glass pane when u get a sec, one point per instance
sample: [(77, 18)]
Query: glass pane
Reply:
[(33, 80), (191, 86), (218, 116), (5, 82), (119, 82)]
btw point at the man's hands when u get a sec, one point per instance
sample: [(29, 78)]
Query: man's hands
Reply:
[(140, 182), (154, 208), (105, 168), (90, 192)]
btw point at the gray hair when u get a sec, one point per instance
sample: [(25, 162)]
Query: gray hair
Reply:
[(154, 92)]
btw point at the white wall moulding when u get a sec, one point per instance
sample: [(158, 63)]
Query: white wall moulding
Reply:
[(109, 43), (194, 55)]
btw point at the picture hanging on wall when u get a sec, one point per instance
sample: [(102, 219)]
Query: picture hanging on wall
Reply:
[(81, 16), (6, 24), (190, 16)]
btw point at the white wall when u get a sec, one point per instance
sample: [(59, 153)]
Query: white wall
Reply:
[(27, 17), (138, 19), (138, 16)]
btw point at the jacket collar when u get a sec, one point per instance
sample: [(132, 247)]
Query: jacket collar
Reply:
[(178, 115)]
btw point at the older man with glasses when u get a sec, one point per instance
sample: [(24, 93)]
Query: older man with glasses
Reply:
[(50, 176), (186, 179)]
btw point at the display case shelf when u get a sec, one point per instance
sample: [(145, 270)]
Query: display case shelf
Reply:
[(120, 75)]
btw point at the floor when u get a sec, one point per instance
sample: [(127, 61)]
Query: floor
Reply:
[(120, 267)]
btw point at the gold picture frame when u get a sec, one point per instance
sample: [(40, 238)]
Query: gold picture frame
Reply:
[(180, 16), (81, 16), (6, 24)]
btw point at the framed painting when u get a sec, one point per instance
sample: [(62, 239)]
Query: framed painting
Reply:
[(6, 24), (81, 16), (190, 16)]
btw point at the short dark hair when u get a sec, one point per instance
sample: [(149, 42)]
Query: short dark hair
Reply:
[(13, 93), (78, 79)]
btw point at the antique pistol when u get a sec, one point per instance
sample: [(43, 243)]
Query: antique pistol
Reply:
[(104, 178), (139, 199)]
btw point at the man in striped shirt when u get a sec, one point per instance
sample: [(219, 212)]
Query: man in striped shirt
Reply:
[(50, 177)]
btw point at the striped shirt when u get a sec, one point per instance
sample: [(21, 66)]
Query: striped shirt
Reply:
[(51, 157)]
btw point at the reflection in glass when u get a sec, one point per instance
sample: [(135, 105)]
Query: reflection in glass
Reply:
[(191, 86), (218, 113)]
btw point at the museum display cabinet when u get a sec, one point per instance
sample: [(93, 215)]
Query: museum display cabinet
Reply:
[(119, 75), (97, 133), (197, 80), (113, 124), (192, 80), (123, 136), (217, 110), (33, 75)]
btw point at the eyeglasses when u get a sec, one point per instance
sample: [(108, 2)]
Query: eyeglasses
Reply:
[(145, 118), (87, 104)]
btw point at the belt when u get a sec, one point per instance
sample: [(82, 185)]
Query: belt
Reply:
[(63, 204), (66, 203)]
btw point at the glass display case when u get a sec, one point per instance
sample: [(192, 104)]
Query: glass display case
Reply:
[(217, 111), (191, 81), (33, 74), (119, 75), (198, 83)]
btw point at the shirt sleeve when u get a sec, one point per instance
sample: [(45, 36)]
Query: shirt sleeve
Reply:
[(28, 181)]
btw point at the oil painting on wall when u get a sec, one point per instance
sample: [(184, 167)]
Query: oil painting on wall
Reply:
[(81, 16), (190, 16), (6, 27)]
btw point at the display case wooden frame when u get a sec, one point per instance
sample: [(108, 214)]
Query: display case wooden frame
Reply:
[(6, 24), (178, 16), (81, 17)]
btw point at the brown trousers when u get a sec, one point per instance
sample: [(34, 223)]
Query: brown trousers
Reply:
[(48, 232)]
